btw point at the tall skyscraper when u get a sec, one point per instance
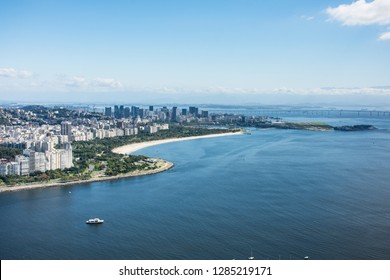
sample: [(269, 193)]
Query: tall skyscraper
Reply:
[(116, 111), (108, 111), (136, 111), (151, 108), (121, 111), (184, 112), (174, 114), (127, 112), (193, 111), (133, 111)]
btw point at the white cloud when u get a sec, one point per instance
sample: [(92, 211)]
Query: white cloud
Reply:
[(308, 18), (362, 13), (107, 82), (75, 81), (81, 82), (384, 36), (13, 73)]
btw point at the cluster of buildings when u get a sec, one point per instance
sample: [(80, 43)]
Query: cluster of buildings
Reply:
[(45, 135), (33, 160), (48, 147), (44, 148), (163, 114)]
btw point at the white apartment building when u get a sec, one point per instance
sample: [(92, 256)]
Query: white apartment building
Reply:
[(24, 165), (9, 168)]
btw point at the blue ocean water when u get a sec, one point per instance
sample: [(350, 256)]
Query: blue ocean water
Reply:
[(282, 193)]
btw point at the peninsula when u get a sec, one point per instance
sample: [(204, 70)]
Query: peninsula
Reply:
[(313, 126), (108, 159)]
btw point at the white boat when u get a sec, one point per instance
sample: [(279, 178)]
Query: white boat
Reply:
[(94, 221), (251, 257)]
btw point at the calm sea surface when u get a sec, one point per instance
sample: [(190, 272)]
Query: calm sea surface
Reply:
[(284, 193)]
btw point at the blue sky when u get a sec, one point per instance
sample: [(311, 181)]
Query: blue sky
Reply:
[(178, 51)]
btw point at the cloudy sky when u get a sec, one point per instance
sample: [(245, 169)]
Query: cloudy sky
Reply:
[(214, 51)]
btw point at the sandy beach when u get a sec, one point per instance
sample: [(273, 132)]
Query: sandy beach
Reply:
[(131, 148)]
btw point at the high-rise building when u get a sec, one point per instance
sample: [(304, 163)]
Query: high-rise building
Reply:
[(9, 168), (4, 167), (121, 111), (116, 111), (108, 111), (184, 112), (136, 111), (193, 111), (205, 114), (38, 161), (66, 129), (127, 112), (151, 108), (174, 114), (66, 155), (162, 116), (24, 166)]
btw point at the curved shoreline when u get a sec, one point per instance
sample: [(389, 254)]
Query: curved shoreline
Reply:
[(166, 165), (131, 148)]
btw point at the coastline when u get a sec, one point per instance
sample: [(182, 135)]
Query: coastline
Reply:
[(164, 165), (131, 148)]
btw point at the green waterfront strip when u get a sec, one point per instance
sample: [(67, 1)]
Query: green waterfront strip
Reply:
[(94, 158)]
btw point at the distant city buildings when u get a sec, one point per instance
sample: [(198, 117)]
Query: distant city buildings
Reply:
[(48, 146), (174, 114), (136, 114), (127, 112), (193, 111), (108, 111)]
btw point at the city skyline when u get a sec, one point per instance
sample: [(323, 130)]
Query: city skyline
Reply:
[(237, 52)]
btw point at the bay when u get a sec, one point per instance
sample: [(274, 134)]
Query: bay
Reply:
[(285, 194)]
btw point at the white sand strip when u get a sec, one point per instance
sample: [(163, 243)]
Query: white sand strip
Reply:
[(131, 148)]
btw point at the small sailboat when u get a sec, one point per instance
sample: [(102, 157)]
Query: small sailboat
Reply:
[(251, 257)]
